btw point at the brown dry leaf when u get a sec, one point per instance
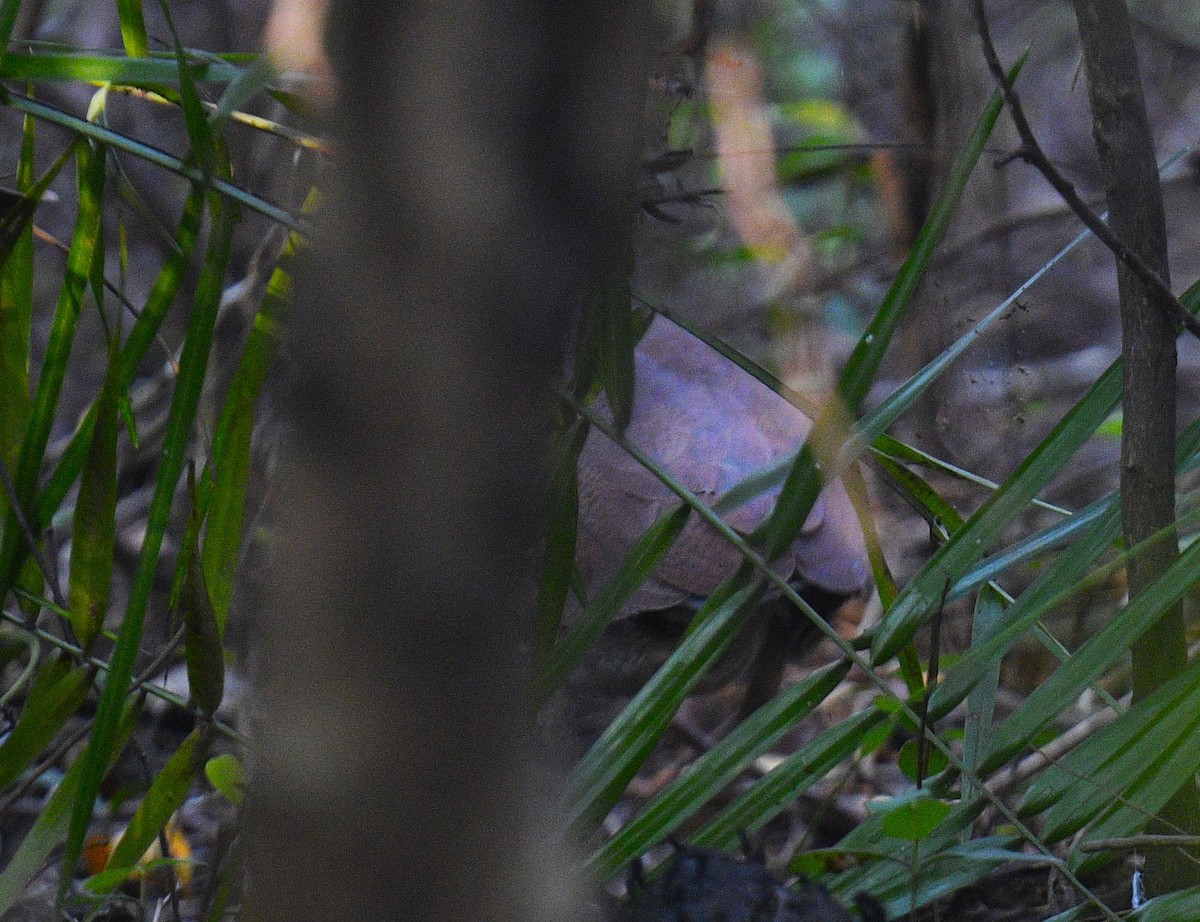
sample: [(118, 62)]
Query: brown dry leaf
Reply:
[(98, 848)]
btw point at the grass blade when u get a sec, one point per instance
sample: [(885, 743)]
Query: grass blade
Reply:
[(166, 795), (84, 245), (95, 526), (224, 503), (133, 28), (780, 787), (181, 417), (604, 772), (48, 829), (711, 773)]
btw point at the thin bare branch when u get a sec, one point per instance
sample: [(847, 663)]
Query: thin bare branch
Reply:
[(1031, 152)]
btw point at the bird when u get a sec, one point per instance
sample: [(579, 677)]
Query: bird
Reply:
[(710, 424)]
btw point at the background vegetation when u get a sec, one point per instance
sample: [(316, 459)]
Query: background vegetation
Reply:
[(126, 517)]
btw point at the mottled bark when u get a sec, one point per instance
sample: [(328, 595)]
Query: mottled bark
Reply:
[(486, 157)]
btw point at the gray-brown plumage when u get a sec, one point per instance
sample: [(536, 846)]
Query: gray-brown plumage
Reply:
[(710, 424)]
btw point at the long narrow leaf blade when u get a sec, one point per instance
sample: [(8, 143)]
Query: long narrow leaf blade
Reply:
[(193, 364)]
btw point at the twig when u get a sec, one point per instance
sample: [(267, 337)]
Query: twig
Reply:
[(1129, 843), (1050, 753), (1031, 152), (935, 635), (20, 789), (142, 682)]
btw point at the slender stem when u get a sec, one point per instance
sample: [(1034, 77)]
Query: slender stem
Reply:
[(1124, 143), (1031, 152)]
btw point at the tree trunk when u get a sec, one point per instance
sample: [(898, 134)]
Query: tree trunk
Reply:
[(1127, 160), (485, 155)]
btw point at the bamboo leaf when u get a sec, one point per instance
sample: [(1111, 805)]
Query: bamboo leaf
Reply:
[(805, 479), (784, 783), (180, 419), (48, 829), (84, 245), (1090, 661), (166, 795), (558, 563), (224, 504), (607, 768), (133, 28), (642, 561), (202, 638), (94, 534), (712, 772), (55, 695)]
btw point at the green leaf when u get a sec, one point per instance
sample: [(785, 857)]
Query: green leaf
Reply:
[(55, 695), (642, 561), (981, 703), (133, 28), (711, 773), (923, 595), (907, 760), (227, 775), (558, 563), (940, 874), (248, 84), (48, 829), (180, 419), (94, 534), (166, 795), (166, 286), (229, 473), (8, 20), (153, 155), (1040, 598), (108, 67), (602, 775), (805, 478), (84, 245), (194, 115), (201, 638), (1128, 744), (915, 818), (16, 317), (892, 878), (784, 783), (1096, 655), (17, 217), (1126, 772)]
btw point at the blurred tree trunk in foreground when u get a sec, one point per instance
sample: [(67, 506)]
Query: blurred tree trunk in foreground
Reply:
[(487, 156)]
